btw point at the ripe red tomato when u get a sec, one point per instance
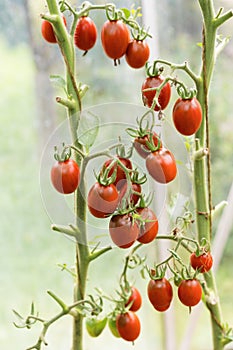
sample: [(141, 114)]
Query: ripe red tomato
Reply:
[(115, 38), (149, 230), (187, 116), (141, 146), (120, 174), (148, 96), (128, 326), (203, 262), (85, 34), (65, 176), (123, 230), (134, 197), (189, 292), (137, 53), (102, 200), (135, 298), (160, 293), (161, 165), (48, 32)]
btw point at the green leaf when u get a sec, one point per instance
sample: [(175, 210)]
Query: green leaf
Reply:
[(88, 129), (58, 81), (126, 11)]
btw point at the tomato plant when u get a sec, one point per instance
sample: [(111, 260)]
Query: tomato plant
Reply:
[(133, 221), (123, 230), (102, 200), (48, 32), (128, 326), (137, 53), (190, 292), (149, 225), (187, 115), (65, 176), (202, 262), (85, 34), (160, 293), (148, 96), (115, 38), (161, 165), (135, 298)]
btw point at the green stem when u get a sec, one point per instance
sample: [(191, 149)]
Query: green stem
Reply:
[(201, 166)]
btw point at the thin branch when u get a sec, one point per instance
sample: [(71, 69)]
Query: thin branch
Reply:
[(218, 21)]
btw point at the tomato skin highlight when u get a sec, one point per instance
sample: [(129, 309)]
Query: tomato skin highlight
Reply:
[(190, 292), (128, 326), (149, 230), (102, 200), (123, 230), (115, 38), (203, 262), (161, 165), (187, 116), (137, 53), (160, 293), (65, 176), (141, 146), (148, 96), (136, 298), (48, 32), (85, 34)]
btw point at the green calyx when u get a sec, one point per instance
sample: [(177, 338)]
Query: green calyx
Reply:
[(153, 70), (186, 94), (64, 155)]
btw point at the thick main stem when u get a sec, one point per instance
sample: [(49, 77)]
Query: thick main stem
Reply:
[(202, 198), (66, 44)]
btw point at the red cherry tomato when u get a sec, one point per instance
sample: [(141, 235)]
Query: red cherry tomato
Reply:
[(135, 298), (148, 96), (48, 32), (160, 294), (85, 34), (203, 262), (134, 197), (128, 326), (140, 144), (148, 230), (65, 176), (161, 165), (137, 53), (187, 116), (102, 200), (123, 230), (120, 174), (190, 292), (115, 38)]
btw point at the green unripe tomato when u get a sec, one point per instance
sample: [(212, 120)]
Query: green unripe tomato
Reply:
[(95, 326), (113, 328)]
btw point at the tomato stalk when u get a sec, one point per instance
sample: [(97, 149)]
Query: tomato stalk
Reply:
[(202, 165)]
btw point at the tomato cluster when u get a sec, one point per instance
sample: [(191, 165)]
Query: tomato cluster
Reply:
[(187, 111), (118, 199), (115, 39), (160, 162)]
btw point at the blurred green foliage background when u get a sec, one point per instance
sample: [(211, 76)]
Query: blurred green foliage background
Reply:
[(29, 250)]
